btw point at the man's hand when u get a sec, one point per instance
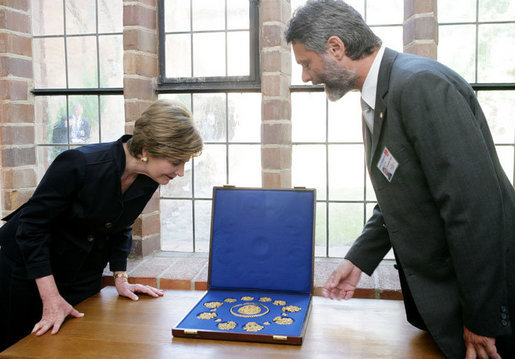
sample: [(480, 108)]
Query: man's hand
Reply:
[(125, 289), (343, 281), (479, 346), (55, 308)]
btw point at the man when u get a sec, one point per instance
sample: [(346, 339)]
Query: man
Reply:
[(445, 205), (79, 127)]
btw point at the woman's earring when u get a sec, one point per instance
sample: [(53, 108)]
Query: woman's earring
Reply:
[(144, 159)]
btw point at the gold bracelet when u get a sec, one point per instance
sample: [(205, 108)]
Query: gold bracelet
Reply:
[(121, 275)]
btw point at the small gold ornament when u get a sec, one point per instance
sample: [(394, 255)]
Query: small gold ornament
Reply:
[(230, 300), (247, 298), (283, 321), (265, 299), (279, 302), (144, 159), (218, 320), (292, 309), (249, 310), (213, 304), (206, 315), (252, 327), (227, 325)]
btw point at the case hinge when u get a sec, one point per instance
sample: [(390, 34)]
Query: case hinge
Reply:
[(190, 331), (280, 337)]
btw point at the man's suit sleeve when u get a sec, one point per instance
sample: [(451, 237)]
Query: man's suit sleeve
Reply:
[(449, 142), (372, 245)]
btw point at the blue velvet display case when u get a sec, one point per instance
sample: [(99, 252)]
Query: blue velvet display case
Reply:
[(260, 267)]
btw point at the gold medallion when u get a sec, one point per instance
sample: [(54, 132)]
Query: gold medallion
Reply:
[(249, 310), (227, 325), (213, 304), (292, 309), (283, 321), (206, 315), (252, 327)]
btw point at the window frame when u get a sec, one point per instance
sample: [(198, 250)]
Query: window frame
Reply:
[(251, 83)]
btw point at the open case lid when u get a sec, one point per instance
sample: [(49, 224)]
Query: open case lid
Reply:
[(262, 239)]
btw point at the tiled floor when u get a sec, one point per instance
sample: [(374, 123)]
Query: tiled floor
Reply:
[(174, 270)]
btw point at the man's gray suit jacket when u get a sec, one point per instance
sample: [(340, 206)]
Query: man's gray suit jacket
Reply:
[(448, 209)]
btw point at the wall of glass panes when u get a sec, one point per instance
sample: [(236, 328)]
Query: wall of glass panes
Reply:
[(206, 39), (78, 55), (474, 40), (328, 152)]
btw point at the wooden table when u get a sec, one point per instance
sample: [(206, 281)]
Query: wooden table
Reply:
[(115, 327)]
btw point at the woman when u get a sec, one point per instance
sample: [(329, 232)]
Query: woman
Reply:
[(54, 248)]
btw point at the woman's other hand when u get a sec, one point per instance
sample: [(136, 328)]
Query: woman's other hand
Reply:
[(126, 289)]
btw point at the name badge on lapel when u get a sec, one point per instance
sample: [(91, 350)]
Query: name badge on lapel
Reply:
[(387, 164)]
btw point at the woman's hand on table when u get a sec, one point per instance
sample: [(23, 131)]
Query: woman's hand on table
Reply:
[(126, 289), (55, 307)]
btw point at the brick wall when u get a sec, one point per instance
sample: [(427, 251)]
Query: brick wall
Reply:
[(275, 81), (140, 68), (421, 27), (18, 154)]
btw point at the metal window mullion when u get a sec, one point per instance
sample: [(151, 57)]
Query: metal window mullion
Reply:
[(191, 41), (192, 192), (226, 42), (476, 64), (226, 137), (327, 177)]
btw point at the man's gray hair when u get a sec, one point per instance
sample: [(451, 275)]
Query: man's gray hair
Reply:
[(315, 22)]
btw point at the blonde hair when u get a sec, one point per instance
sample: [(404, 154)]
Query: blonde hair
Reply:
[(165, 130)]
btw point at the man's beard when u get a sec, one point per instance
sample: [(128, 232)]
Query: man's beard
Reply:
[(336, 78)]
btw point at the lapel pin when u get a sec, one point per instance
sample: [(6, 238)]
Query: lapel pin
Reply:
[(380, 115)]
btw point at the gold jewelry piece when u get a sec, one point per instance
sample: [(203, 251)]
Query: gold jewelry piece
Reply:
[(292, 309), (213, 304), (265, 299), (227, 325), (247, 299), (283, 321), (230, 300), (218, 320), (144, 159), (121, 275), (279, 302), (252, 327), (249, 310), (266, 323), (206, 315)]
